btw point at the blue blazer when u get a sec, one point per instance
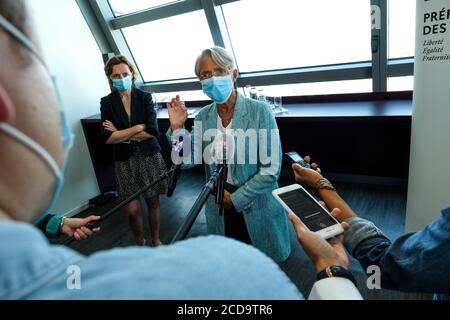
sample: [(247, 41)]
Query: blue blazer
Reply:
[(265, 218)]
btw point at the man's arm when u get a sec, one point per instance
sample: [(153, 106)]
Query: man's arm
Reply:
[(410, 263), (414, 262)]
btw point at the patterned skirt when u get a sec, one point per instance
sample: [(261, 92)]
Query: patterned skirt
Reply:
[(139, 171)]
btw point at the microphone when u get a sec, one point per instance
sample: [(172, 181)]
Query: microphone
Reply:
[(177, 149)]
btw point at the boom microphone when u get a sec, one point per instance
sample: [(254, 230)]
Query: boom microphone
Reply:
[(173, 178)]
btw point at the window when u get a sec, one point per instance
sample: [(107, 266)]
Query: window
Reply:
[(401, 83), (195, 95), (268, 38), (166, 49), (318, 88), (401, 30), (122, 7), (269, 35), (301, 89)]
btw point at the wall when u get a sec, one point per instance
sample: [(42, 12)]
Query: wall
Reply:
[(429, 179), (75, 60)]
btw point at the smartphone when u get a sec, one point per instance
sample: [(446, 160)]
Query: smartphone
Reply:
[(295, 199), (293, 157)]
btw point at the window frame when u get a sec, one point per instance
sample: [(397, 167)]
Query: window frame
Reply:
[(107, 30)]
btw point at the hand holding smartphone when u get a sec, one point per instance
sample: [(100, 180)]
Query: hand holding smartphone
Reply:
[(295, 199), (293, 157)]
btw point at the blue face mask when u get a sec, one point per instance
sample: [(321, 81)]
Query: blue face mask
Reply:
[(219, 89), (66, 133), (122, 84)]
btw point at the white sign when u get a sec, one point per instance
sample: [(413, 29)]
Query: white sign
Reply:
[(429, 173)]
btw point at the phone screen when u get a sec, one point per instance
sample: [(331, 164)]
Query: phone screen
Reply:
[(295, 156), (311, 214)]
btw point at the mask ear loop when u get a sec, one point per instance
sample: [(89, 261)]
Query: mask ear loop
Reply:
[(16, 33), (12, 30), (16, 134)]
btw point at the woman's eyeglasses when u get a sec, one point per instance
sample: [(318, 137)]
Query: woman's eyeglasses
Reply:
[(217, 73)]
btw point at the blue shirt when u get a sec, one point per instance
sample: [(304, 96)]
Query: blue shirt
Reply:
[(209, 267), (415, 262)]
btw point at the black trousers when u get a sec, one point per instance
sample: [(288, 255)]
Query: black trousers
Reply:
[(235, 226)]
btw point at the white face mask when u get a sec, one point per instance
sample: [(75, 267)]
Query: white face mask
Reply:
[(66, 133)]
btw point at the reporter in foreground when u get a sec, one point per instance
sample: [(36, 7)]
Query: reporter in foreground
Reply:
[(415, 262)]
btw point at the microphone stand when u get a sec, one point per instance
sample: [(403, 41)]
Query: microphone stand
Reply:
[(224, 174), (216, 182), (213, 183), (95, 224)]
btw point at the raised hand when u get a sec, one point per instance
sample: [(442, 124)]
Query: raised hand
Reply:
[(177, 113)]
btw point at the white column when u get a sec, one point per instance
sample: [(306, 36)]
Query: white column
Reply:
[(429, 176)]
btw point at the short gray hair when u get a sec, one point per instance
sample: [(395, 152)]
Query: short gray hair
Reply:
[(219, 56)]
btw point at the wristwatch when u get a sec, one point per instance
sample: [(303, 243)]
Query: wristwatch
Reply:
[(336, 271), (324, 183), (63, 219)]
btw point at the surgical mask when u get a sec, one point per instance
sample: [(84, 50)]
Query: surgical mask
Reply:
[(219, 89), (66, 133), (122, 84)]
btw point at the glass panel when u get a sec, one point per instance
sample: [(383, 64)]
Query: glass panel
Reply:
[(402, 26), (269, 34), (122, 7), (318, 88), (401, 83), (286, 90), (300, 89), (166, 49), (196, 95)]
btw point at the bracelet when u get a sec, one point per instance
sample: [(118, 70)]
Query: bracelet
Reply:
[(324, 183), (54, 226), (63, 219)]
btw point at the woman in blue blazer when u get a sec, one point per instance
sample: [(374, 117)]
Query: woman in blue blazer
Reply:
[(251, 214)]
